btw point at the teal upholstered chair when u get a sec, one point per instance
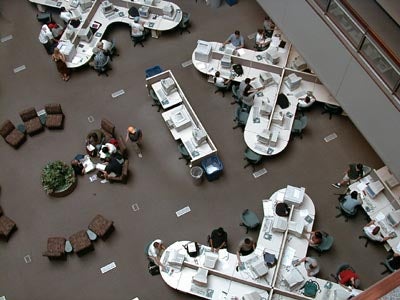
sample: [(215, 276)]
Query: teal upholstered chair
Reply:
[(155, 99), (252, 158), (241, 116), (249, 220), (299, 125), (185, 22), (184, 153), (236, 95)]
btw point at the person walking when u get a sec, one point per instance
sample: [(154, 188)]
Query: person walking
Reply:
[(135, 135), (62, 68)]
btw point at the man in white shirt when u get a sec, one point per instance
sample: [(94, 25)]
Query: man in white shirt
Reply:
[(371, 230), (65, 15), (137, 28), (46, 38), (155, 251)]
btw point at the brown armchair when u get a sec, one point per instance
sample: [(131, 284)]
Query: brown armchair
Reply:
[(7, 226), (31, 121), (108, 129), (55, 116), (11, 135), (55, 248), (123, 178), (101, 226)]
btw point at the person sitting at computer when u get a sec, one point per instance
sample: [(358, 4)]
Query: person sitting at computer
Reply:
[(249, 93), (352, 174), (235, 39), (99, 60), (275, 40), (246, 247), (306, 101), (261, 40), (315, 238), (351, 202), (221, 82), (155, 251), (137, 29), (310, 264), (218, 239), (372, 232), (65, 15)]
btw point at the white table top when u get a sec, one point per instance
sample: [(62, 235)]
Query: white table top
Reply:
[(166, 101)]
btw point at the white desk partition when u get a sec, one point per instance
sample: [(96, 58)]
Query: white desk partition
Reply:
[(225, 282), (384, 202), (180, 108), (98, 22)]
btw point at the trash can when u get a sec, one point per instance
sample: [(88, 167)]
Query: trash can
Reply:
[(197, 175), (212, 167), (215, 3)]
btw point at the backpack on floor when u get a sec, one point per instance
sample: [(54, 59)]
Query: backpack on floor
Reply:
[(153, 268), (311, 288)]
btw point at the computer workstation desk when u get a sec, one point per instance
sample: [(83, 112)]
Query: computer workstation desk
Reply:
[(79, 51), (181, 119), (278, 124), (386, 201), (225, 281)]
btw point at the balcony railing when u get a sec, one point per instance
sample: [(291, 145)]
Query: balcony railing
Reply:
[(362, 39)]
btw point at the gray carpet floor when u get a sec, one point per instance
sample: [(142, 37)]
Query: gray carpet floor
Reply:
[(159, 184)]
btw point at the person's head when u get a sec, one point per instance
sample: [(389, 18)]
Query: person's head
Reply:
[(99, 45), (246, 90), (217, 74), (247, 80), (105, 150), (74, 162), (237, 33), (313, 265), (131, 129), (157, 245), (318, 235), (260, 31), (277, 35), (359, 167), (354, 194), (56, 51), (307, 99), (63, 9), (375, 231), (220, 231), (247, 241), (96, 50)]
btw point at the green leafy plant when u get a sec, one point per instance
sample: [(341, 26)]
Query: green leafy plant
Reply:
[(57, 176)]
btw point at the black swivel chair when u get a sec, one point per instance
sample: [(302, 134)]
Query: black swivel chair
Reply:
[(155, 99), (332, 110), (184, 153), (185, 23)]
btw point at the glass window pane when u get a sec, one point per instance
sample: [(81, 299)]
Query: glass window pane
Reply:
[(323, 4), (380, 63), (346, 25)]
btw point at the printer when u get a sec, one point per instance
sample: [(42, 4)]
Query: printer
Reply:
[(264, 137), (226, 61), (266, 78), (299, 63), (296, 228), (229, 49), (203, 51), (199, 136), (68, 49), (265, 108), (292, 81), (148, 2), (294, 195), (168, 12), (280, 224), (168, 85), (271, 54), (181, 120)]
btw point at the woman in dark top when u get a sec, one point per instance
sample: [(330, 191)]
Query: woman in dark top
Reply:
[(218, 239), (78, 167)]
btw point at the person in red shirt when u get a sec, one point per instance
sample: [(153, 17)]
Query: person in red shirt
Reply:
[(348, 277)]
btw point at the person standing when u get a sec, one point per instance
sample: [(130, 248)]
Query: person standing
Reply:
[(246, 247), (135, 135), (62, 68), (218, 239), (46, 38)]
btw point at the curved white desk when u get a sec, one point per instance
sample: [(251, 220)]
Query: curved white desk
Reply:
[(94, 17), (224, 282)]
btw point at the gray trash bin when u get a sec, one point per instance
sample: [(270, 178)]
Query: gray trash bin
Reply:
[(197, 174), (215, 3)]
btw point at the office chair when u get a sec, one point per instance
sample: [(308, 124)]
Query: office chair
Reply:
[(113, 50), (331, 110), (184, 24), (44, 17), (241, 117), (103, 68), (252, 158), (367, 240), (138, 40), (386, 264), (236, 95), (184, 153), (346, 213), (155, 99), (249, 220), (299, 125), (326, 244)]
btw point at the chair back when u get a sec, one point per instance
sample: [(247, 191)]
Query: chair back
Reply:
[(103, 66), (250, 219), (326, 244), (252, 157)]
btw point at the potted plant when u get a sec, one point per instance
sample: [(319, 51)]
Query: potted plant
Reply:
[(58, 179)]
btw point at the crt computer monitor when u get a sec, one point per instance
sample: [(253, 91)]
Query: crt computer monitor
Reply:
[(393, 218), (107, 7), (85, 34)]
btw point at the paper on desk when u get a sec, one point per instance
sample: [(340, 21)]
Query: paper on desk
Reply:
[(380, 216), (303, 212), (280, 196), (268, 208), (201, 66), (398, 247), (361, 186), (288, 256), (241, 51), (366, 179), (76, 59)]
